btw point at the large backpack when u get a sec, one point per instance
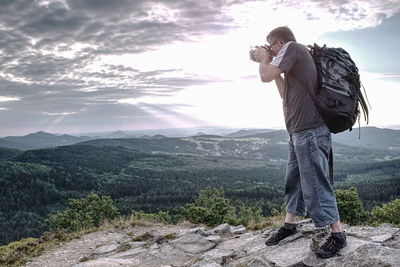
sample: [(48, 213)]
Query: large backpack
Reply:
[(339, 96)]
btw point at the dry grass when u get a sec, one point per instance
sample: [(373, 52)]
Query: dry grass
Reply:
[(267, 223), (125, 222)]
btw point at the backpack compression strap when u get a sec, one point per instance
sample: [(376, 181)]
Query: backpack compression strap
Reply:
[(330, 164)]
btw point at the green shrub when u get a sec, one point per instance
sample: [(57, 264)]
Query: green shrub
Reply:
[(279, 213), (246, 216), (388, 213), (210, 208), (163, 217), (350, 208), (84, 213)]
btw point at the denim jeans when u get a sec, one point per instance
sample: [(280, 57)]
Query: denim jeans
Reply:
[(307, 177)]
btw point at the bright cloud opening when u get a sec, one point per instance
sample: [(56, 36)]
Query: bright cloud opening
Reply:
[(6, 99)]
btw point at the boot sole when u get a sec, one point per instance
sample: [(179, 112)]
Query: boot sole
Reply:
[(331, 255)]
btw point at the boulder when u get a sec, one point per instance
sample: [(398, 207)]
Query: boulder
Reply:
[(214, 238), (288, 254), (107, 248), (238, 230), (379, 234), (193, 243), (201, 232), (369, 255), (394, 242), (221, 229)]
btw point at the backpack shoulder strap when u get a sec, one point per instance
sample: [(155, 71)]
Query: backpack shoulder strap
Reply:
[(330, 163)]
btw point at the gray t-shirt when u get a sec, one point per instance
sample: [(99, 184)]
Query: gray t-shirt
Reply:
[(300, 75)]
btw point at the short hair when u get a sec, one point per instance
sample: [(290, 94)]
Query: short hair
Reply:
[(283, 34)]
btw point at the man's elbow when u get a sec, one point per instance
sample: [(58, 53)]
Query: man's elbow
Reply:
[(266, 78)]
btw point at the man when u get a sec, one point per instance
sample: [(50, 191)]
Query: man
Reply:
[(307, 184)]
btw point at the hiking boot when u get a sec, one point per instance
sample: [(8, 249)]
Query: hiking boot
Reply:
[(332, 245), (282, 233)]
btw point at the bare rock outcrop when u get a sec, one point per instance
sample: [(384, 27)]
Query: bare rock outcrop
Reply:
[(224, 245)]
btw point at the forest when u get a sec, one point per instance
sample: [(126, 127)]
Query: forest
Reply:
[(36, 183)]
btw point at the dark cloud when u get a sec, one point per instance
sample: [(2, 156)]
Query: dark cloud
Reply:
[(47, 49), (33, 34), (114, 26)]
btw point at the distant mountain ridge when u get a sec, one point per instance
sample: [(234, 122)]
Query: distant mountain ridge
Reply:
[(265, 145), (246, 133), (369, 137), (374, 143), (169, 132), (40, 140), (119, 134)]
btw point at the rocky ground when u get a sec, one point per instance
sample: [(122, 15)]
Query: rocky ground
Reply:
[(224, 245)]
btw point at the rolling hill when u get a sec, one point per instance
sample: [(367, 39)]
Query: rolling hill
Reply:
[(40, 140), (270, 145)]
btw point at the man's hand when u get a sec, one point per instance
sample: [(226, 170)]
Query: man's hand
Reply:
[(262, 55)]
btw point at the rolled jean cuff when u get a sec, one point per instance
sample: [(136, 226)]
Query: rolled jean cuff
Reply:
[(297, 213), (326, 223)]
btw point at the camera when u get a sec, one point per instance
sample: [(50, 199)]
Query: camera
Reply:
[(253, 49)]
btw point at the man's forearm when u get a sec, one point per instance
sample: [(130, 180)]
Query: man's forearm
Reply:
[(268, 72), (280, 83)]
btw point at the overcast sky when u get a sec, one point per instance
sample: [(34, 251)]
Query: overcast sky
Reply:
[(100, 65)]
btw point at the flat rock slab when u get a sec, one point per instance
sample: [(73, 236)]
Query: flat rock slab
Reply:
[(193, 243), (238, 230), (369, 255), (224, 245), (375, 234), (236, 243), (109, 262), (107, 248), (289, 253), (206, 263)]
